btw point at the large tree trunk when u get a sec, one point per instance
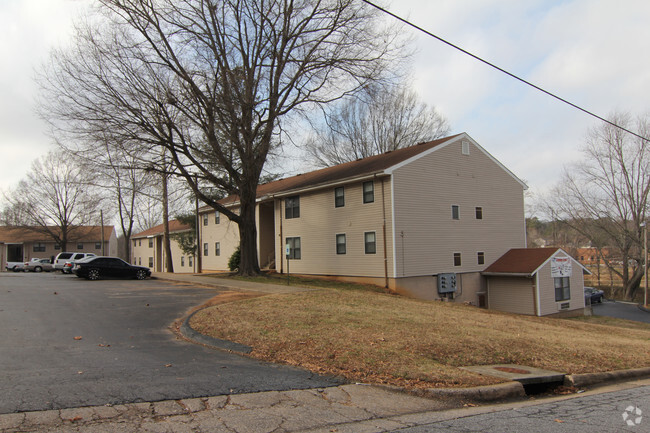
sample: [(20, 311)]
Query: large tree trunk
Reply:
[(248, 264), (169, 263), (633, 283)]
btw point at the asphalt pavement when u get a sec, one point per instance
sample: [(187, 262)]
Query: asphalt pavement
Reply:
[(621, 310), (68, 342)]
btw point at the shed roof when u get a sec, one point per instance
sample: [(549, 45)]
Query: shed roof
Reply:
[(13, 234), (524, 261)]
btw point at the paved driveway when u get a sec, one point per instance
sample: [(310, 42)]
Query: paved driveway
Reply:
[(621, 310), (126, 352)]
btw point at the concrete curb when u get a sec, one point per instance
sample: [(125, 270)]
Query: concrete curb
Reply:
[(188, 332), (501, 391), (642, 308), (587, 379)]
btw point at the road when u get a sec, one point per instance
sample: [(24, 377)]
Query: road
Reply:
[(587, 414), (621, 310), (68, 342)]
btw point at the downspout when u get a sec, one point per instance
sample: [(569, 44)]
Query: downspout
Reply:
[(281, 237), (383, 206)]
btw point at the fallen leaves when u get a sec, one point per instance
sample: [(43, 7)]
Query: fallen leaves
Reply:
[(78, 338)]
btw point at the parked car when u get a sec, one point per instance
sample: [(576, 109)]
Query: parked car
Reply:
[(67, 267), (94, 268), (61, 258), (15, 266), (38, 265), (593, 295)]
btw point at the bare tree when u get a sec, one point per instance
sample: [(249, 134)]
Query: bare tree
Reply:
[(605, 196), (378, 120), (54, 198), (212, 81)]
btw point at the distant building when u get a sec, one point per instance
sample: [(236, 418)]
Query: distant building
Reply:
[(147, 249), (21, 244)]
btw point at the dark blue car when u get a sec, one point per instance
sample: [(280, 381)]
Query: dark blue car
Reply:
[(593, 295)]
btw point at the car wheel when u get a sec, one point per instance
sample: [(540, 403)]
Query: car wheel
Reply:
[(93, 274), (38, 269), (141, 274)]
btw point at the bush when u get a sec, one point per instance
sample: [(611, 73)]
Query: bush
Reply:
[(233, 262)]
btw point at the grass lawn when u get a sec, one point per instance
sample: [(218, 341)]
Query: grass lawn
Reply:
[(374, 337)]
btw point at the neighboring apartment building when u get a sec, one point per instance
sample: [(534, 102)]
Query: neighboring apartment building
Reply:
[(423, 221), (147, 249), (21, 244)]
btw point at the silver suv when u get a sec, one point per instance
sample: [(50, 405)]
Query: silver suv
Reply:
[(61, 258)]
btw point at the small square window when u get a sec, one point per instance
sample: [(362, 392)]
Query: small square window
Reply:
[(370, 241), (480, 258), (205, 249), (455, 212), (292, 207), (39, 247), (80, 246), (368, 192), (479, 213), (340, 244), (339, 197), (457, 259), (57, 246), (98, 245), (217, 217), (217, 248)]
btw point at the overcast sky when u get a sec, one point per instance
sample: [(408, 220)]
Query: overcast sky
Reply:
[(591, 52)]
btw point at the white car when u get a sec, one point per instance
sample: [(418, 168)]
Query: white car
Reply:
[(62, 258), (38, 265)]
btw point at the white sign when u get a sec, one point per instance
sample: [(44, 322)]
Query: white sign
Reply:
[(560, 267), (288, 250)]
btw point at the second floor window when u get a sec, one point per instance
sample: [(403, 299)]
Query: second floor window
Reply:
[(205, 219), (368, 192), (217, 217), (292, 207), (205, 249), (150, 242), (479, 213), (455, 212), (339, 197)]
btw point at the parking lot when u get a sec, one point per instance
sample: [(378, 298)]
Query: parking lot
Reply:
[(69, 342)]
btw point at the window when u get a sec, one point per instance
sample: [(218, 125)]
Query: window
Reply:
[(479, 213), (294, 248), (80, 246), (339, 197), (465, 147), (98, 245), (135, 243), (140, 261), (151, 262), (292, 207), (370, 241), (39, 247), (189, 261), (562, 288), (57, 246), (150, 242), (217, 248), (455, 212), (140, 242), (205, 249), (480, 258), (340, 244), (457, 259), (182, 260), (368, 192), (217, 217), (205, 219)]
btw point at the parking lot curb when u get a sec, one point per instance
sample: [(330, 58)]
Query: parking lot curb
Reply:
[(587, 379), (191, 334)]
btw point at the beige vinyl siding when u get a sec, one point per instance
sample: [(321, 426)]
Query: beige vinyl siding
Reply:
[(426, 236), (548, 305), (143, 252), (319, 223), (227, 234), (140, 255), (511, 294)]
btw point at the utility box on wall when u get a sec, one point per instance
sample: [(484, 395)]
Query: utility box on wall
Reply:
[(446, 283)]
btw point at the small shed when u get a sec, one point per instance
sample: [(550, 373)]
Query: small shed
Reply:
[(536, 281)]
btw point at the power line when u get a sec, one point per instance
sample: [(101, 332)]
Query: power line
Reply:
[(428, 33)]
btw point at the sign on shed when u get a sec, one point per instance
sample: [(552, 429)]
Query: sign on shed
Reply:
[(560, 267)]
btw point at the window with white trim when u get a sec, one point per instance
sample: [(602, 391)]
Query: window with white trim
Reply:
[(370, 242), (340, 244)]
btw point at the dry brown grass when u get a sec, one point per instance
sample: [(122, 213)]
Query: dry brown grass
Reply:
[(380, 338)]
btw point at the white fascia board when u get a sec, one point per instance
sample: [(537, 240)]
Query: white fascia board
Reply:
[(538, 301), (463, 136), (393, 223)]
